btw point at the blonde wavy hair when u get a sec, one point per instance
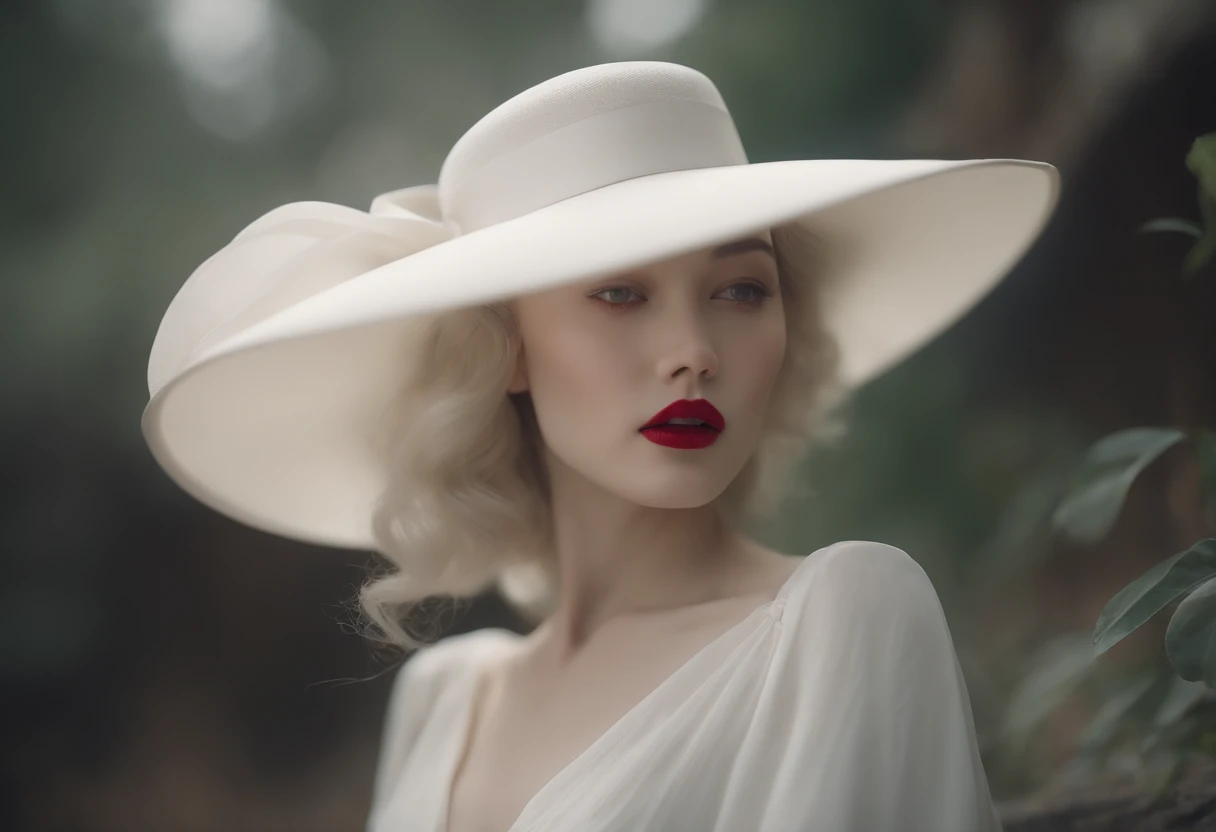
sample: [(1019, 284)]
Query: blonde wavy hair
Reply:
[(467, 503)]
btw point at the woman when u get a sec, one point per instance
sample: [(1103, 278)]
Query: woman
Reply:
[(579, 366)]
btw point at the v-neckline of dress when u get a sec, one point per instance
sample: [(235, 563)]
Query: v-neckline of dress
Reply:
[(596, 749)]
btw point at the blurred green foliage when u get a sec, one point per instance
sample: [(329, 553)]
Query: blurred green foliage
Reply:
[(1183, 713)]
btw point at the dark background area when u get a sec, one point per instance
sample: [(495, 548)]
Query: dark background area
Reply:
[(166, 668)]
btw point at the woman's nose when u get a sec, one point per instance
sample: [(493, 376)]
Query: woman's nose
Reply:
[(687, 347)]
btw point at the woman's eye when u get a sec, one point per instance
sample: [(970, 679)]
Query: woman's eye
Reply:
[(753, 293), (621, 293)]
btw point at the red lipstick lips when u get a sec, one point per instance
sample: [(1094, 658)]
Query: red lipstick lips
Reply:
[(702, 434)]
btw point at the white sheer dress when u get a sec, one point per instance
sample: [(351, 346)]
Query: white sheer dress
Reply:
[(839, 706)]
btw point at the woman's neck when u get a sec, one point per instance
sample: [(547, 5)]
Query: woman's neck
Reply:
[(618, 560)]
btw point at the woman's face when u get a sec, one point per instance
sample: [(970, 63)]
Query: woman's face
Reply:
[(601, 358)]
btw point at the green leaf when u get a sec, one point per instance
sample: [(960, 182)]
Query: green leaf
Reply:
[(1172, 224), (1056, 670), (1106, 474), (1207, 209), (1190, 638), (1181, 697), (1201, 160), (1205, 448), (1200, 253), (1147, 595), (1105, 722)]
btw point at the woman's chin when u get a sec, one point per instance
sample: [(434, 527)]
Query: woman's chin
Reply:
[(679, 492)]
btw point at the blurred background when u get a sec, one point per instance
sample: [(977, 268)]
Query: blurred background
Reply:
[(166, 668)]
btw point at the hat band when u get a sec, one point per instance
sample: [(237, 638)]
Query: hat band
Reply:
[(639, 140)]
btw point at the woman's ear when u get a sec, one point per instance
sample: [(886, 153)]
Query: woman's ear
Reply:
[(519, 381)]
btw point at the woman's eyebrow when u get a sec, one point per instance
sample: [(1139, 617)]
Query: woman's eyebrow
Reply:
[(742, 246)]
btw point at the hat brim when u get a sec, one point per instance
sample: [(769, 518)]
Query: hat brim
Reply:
[(274, 425)]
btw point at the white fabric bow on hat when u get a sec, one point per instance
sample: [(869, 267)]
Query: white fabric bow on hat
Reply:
[(288, 254)]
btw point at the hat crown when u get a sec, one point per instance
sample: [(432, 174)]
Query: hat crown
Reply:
[(583, 130)]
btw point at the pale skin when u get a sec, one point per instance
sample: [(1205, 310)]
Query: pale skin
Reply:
[(648, 570), (634, 526)]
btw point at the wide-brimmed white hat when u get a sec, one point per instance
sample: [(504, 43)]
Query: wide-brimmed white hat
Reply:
[(277, 359)]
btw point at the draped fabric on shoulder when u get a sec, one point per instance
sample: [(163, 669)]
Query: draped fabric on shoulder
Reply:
[(866, 723), (413, 711), (838, 707), (417, 741), (401, 722)]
